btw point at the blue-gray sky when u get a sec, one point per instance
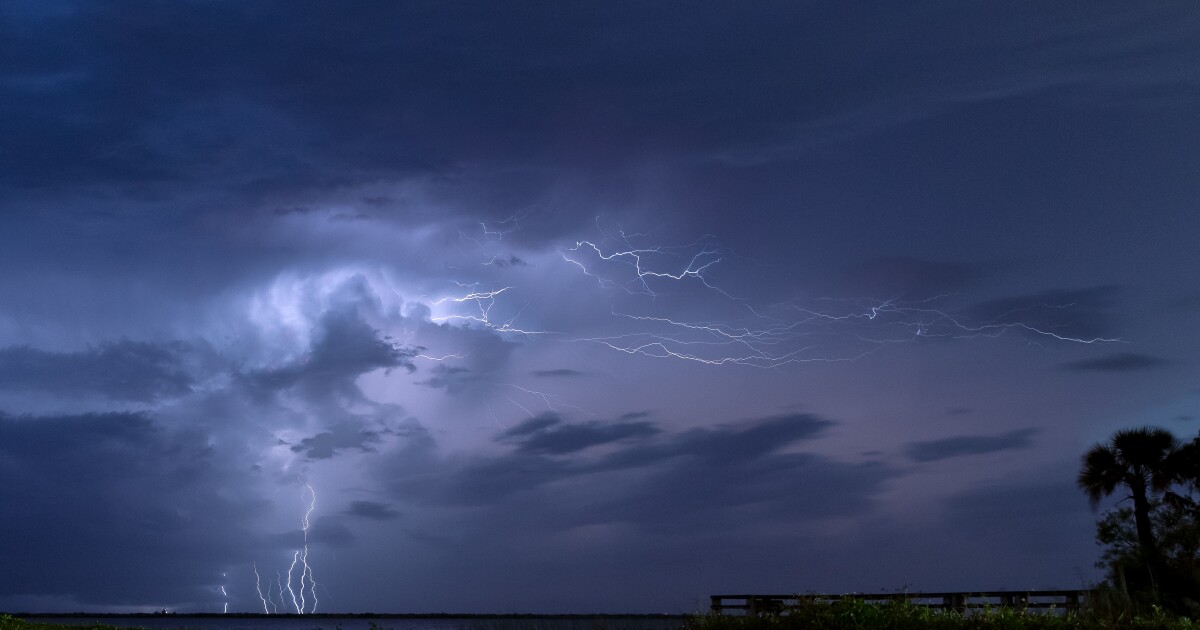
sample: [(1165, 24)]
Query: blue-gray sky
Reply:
[(573, 307)]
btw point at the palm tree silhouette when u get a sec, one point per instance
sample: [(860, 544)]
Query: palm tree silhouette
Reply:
[(1187, 467), (1139, 459), (1185, 470)]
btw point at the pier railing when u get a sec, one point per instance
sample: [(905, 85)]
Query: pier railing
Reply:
[(959, 601)]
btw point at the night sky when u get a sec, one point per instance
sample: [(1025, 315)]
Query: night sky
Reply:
[(581, 306)]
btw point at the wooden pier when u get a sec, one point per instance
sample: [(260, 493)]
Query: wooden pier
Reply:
[(959, 601)]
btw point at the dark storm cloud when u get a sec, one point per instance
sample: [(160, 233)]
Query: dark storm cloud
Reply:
[(96, 95), (547, 435), (959, 446), (452, 378), (121, 370), (1119, 362), (116, 509), (759, 436), (721, 445), (711, 474), (560, 372), (146, 136), (493, 109), (87, 128), (1075, 313), (531, 426), (678, 489), (698, 470), (346, 346), (372, 510), (487, 481), (340, 436), (509, 261)]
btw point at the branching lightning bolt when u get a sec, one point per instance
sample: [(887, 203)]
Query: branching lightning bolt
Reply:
[(700, 261), (306, 578), (307, 572), (552, 401), (649, 284), (766, 338), (484, 301), (295, 604), (444, 357), (279, 584), (258, 587)]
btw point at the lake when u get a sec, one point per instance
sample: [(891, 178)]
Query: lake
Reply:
[(376, 622)]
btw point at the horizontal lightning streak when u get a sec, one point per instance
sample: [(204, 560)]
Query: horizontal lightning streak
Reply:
[(774, 341), (484, 301)]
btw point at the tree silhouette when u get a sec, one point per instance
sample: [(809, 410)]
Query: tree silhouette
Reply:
[(1139, 459), (1185, 467)]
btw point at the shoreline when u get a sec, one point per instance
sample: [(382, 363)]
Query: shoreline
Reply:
[(345, 616)]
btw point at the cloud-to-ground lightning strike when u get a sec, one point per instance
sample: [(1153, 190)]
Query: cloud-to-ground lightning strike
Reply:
[(306, 578), (295, 603), (312, 583), (258, 587)]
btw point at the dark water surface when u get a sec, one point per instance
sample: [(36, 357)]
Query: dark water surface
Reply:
[(377, 622)]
